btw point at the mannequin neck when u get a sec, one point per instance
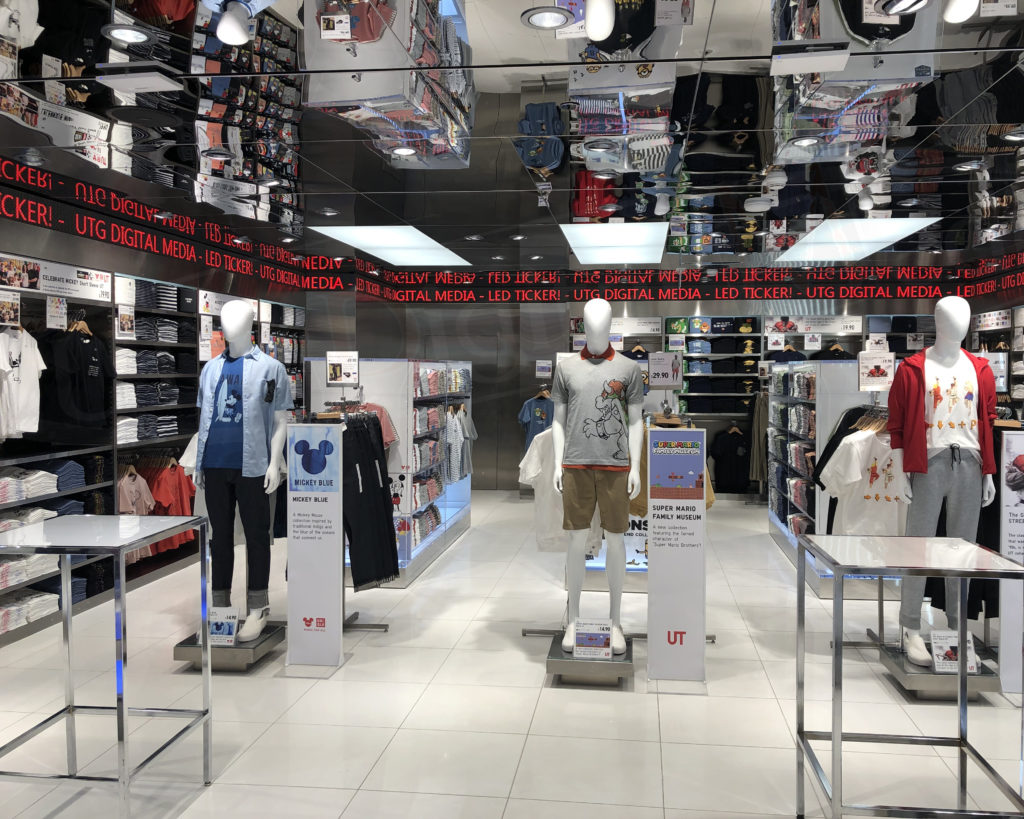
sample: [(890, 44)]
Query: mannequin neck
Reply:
[(945, 352), (239, 347)]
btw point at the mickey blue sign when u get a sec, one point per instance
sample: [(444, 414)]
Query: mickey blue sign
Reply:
[(311, 451)]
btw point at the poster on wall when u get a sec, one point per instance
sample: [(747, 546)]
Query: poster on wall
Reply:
[(1011, 545), (342, 368), (812, 341), (876, 371), (666, 371), (125, 329), (316, 545), (10, 308), (543, 368), (675, 554), (55, 279), (56, 313)]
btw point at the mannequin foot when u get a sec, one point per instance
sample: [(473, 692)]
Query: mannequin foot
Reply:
[(618, 640), (569, 640), (913, 645), (254, 625)]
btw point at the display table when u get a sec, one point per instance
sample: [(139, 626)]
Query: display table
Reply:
[(901, 557), (112, 536)]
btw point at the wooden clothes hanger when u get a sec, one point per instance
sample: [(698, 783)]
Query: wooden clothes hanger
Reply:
[(838, 346), (789, 348)]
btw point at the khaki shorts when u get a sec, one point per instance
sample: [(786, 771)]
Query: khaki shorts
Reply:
[(583, 490)]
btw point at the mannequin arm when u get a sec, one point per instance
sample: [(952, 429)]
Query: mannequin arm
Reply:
[(636, 442), (277, 441), (909, 495), (988, 491), (558, 442)]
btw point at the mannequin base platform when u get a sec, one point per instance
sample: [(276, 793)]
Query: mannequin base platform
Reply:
[(231, 658), (589, 672), (926, 684)]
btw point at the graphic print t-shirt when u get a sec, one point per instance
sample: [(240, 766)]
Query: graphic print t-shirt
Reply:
[(951, 406), (20, 368), (224, 442), (536, 416), (866, 476), (596, 392)]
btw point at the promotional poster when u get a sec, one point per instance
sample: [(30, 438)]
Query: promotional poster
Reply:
[(1011, 605), (675, 546)]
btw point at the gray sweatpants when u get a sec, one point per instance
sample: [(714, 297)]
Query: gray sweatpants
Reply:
[(953, 476)]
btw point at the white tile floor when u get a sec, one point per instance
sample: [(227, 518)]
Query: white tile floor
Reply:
[(451, 715)]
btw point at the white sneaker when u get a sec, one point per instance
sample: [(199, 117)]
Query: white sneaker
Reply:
[(916, 650), (253, 625)]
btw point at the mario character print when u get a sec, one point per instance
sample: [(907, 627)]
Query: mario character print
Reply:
[(610, 424)]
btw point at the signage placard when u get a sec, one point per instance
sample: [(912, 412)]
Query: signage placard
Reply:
[(125, 330), (316, 545), (636, 326), (342, 368), (812, 341), (223, 625), (10, 307), (211, 303), (56, 313), (675, 547), (1011, 545), (593, 640), (666, 371), (994, 320), (876, 371), (543, 368)]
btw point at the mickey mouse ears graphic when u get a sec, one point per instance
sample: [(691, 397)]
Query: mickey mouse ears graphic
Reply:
[(314, 461)]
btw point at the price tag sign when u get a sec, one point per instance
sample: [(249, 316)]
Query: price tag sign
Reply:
[(543, 368), (666, 371), (677, 343), (264, 333), (876, 370), (878, 343), (56, 313), (343, 368), (812, 341), (776, 341), (125, 330), (593, 640)]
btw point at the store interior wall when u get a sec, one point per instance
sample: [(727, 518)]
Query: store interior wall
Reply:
[(330, 322)]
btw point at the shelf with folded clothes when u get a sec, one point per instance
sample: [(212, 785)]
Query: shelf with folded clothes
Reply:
[(155, 407), (426, 433), (713, 335), (79, 564), (49, 455), (165, 311), (715, 355), (92, 487), (144, 376), (167, 440), (718, 394), (174, 345)]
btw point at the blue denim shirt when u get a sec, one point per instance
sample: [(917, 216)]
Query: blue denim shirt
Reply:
[(259, 369)]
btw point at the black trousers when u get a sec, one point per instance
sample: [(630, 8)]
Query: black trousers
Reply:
[(224, 489), (367, 508)]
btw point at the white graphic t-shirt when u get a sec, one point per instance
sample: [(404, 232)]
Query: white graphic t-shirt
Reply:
[(951, 406), (866, 477), (20, 368)]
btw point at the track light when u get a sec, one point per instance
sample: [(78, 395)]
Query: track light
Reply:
[(125, 34), (959, 11), (546, 18), (896, 7), (599, 19)]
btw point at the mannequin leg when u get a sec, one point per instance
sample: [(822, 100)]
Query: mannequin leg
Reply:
[(963, 509), (575, 570), (615, 569), (219, 489), (254, 506)]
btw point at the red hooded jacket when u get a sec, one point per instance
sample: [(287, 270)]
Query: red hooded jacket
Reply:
[(906, 413)]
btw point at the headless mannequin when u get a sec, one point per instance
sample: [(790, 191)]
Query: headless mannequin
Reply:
[(952, 319), (597, 320), (236, 323)]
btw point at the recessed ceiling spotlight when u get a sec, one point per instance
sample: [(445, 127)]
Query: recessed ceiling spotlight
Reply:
[(328, 211), (757, 204), (474, 237), (127, 34), (546, 18), (805, 141), (268, 181), (32, 157), (163, 214), (762, 232), (896, 7), (536, 258), (599, 145), (403, 150), (241, 240), (969, 165), (959, 11), (222, 154), (604, 174), (611, 207), (498, 258), (517, 237), (289, 240), (912, 202), (1016, 135), (342, 258)]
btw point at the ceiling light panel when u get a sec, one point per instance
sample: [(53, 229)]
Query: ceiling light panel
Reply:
[(395, 244), (849, 240), (617, 242)]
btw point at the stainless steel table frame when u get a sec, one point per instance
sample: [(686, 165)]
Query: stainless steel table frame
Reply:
[(112, 536), (892, 556)]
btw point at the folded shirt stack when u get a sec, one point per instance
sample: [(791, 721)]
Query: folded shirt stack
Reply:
[(95, 468), (186, 331), (166, 426), (145, 293), (187, 394), (168, 392), (146, 328), (186, 363), (147, 426), (125, 395), (277, 314), (289, 316), (165, 362), (22, 607), (167, 297), (127, 430), (14, 570), (70, 474), (300, 316), (19, 484), (79, 588), (147, 395), (146, 362), (66, 506), (125, 361), (166, 330), (24, 516)]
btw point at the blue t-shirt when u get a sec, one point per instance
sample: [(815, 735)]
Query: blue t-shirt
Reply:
[(536, 416), (224, 441)]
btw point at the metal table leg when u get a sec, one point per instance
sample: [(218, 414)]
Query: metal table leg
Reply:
[(121, 659), (204, 573), (801, 615), (837, 695), (961, 695), (69, 675)]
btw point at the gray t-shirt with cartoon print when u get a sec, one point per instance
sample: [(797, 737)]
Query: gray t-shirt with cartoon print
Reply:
[(596, 392)]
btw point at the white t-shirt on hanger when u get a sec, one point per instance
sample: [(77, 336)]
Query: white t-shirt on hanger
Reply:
[(20, 369)]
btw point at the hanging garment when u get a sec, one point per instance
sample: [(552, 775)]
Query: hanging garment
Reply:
[(469, 435), (535, 416), (367, 507), (759, 434), (731, 453), (453, 441)]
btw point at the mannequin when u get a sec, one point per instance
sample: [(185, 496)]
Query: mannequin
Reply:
[(941, 411), (244, 396), (594, 451)]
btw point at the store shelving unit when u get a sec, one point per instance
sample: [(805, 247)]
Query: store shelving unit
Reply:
[(795, 504), (991, 336), (287, 341), (901, 332)]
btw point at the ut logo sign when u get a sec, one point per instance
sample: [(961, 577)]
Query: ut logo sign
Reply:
[(675, 638)]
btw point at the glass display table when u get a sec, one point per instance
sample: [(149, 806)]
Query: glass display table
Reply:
[(901, 557), (112, 536)]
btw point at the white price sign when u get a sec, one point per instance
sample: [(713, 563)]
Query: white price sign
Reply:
[(543, 368), (776, 341), (876, 370), (343, 368), (666, 371), (56, 313), (812, 341), (593, 640), (677, 343)]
